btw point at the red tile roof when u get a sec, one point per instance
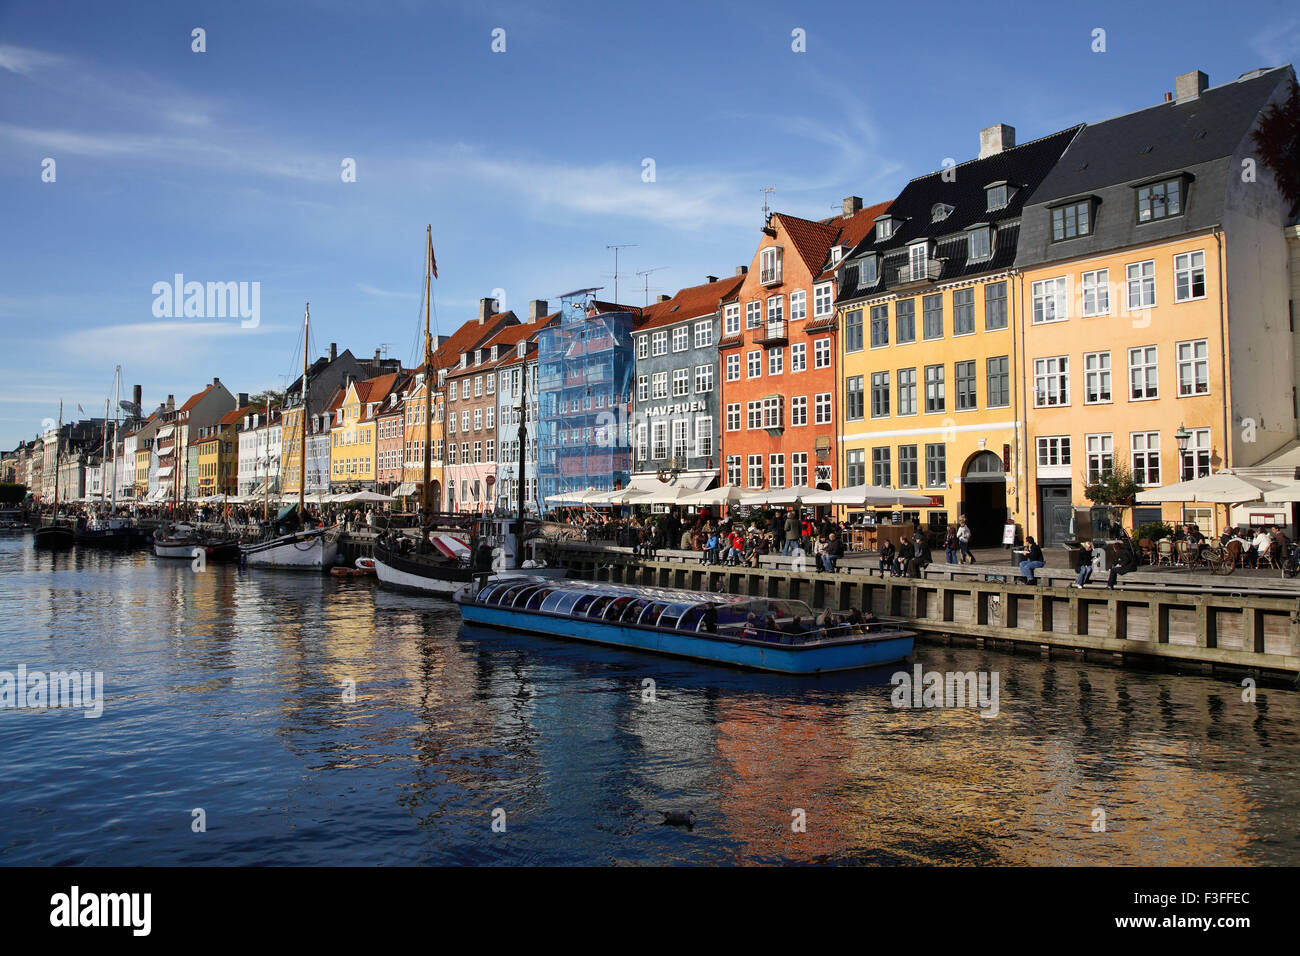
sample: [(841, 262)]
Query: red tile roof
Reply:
[(689, 303), (470, 336), (195, 399), (853, 229), (235, 416), (812, 240)]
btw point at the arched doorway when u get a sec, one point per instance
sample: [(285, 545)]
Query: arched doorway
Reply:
[(984, 498), (436, 498)]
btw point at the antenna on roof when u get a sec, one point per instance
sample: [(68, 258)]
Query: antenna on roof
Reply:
[(767, 212), (616, 248), (646, 273), (384, 347)]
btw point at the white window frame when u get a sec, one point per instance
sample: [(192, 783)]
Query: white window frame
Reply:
[(798, 357), (1053, 372), (754, 364), (681, 338), (659, 342), (1097, 367), (703, 334), (822, 353), (1051, 300), (1185, 270), (822, 408), (1140, 278), (733, 367), (703, 379), (1144, 359), (1094, 293), (823, 300), (1187, 366), (798, 410)]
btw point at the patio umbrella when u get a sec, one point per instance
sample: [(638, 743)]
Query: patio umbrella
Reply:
[(629, 496), (778, 496), (722, 495), (1220, 488), (1289, 491), (868, 496), (363, 496)]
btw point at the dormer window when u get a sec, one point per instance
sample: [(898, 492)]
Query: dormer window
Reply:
[(522, 349), (464, 359), (770, 265), (884, 228), (997, 195), (940, 212), (1160, 200), (979, 240), (837, 253), (869, 274), (478, 356), (1072, 220)]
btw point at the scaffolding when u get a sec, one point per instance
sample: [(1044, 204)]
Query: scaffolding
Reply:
[(584, 381)]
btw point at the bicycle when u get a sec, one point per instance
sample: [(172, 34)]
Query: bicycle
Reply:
[(1291, 563), (1218, 560)]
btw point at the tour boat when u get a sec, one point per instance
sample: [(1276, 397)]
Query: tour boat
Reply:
[(766, 634), (178, 541), (110, 532), (444, 563)]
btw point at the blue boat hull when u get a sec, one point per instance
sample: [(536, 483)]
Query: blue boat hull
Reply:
[(777, 658)]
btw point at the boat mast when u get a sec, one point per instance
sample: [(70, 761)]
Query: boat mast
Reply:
[(58, 441), (103, 454), (523, 459), (428, 377), (117, 405), (266, 486), (302, 449)]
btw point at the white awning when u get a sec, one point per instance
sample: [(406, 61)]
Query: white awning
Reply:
[(165, 471), (404, 489), (165, 432)]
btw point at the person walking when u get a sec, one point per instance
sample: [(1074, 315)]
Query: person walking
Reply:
[(963, 540), (791, 533), (950, 545)]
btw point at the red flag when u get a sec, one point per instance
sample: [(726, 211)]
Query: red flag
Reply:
[(433, 263)]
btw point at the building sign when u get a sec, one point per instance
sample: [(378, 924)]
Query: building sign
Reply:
[(823, 448), (681, 408)]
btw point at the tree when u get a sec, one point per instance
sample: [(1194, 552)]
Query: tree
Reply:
[(12, 494), (259, 400), (1113, 490), (1277, 139)]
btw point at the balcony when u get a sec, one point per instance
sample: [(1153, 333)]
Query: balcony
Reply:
[(770, 275), (919, 273), (774, 332)]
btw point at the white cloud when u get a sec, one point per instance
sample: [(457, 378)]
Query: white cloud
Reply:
[(1279, 43), (25, 61)]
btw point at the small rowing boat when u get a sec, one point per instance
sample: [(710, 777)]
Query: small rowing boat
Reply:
[(756, 633)]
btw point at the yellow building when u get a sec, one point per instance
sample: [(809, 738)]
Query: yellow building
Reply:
[(354, 433), (929, 345)]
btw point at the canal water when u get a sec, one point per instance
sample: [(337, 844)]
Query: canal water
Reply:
[(228, 736)]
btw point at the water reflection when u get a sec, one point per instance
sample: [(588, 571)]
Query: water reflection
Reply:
[(324, 721)]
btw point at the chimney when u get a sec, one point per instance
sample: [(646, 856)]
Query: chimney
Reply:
[(851, 205), (663, 298), (536, 309), (376, 359), (243, 400), (711, 279), (171, 402), (334, 351), (742, 270), (995, 139), (137, 396), (486, 308), (215, 380), (1191, 85), (1169, 97)]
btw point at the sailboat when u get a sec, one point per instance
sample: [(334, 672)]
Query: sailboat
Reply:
[(55, 535), (442, 563), (107, 529), (292, 545)]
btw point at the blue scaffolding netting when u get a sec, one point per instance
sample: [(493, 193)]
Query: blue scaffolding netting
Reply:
[(584, 381)]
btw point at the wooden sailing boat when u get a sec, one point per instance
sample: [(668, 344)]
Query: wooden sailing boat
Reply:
[(55, 535), (292, 544)]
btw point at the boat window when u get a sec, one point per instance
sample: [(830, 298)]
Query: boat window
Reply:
[(632, 613), (521, 599), (651, 613), (552, 602), (535, 600), (691, 619), (614, 610), (584, 602), (672, 614), (598, 605), (507, 597), (567, 601), (485, 596)]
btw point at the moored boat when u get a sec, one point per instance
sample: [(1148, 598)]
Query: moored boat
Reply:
[(755, 633), (314, 549), (55, 537), (177, 541)]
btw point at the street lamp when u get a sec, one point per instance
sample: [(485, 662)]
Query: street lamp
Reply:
[(1182, 436)]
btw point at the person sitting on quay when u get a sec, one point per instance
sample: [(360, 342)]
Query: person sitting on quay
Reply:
[(1085, 569), (737, 546), (886, 558), (710, 555), (832, 551), (903, 557), (1032, 562), (920, 559)]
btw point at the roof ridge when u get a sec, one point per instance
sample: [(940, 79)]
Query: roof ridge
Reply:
[(1009, 149)]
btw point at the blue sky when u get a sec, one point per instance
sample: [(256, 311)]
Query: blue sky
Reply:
[(225, 165)]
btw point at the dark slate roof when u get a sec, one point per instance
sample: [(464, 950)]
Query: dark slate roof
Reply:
[(1023, 167), (1201, 137)]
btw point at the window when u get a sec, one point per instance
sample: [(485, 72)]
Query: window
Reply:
[(642, 442), (680, 427), (798, 357), (822, 353), (753, 314), (771, 264), (936, 466), (932, 316), (772, 417), (731, 319), (491, 450), (642, 348), (681, 338), (703, 379), (775, 360), (703, 334), (907, 464), (1050, 300), (979, 243), (1100, 456), (798, 306), (1071, 221), (879, 325), (681, 382), (996, 195), (754, 364), (934, 389), (451, 453), (823, 301), (799, 410), (963, 311), (1196, 460), (490, 386), (733, 417), (905, 317), (1052, 381), (754, 415), (880, 471), (755, 471), (660, 432), (906, 391), (659, 385), (879, 394), (884, 229), (853, 330), (869, 273), (478, 452), (1096, 378), (918, 259), (1159, 200), (733, 367), (963, 374), (1054, 451), (1142, 374), (464, 421), (995, 306), (1146, 457), (642, 388), (704, 436), (1141, 285), (451, 391), (1194, 367), (776, 471), (451, 424), (854, 400), (822, 408), (490, 417), (1094, 293), (799, 468), (1189, 276), (733, 470), (478, 386), (659, 342)]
